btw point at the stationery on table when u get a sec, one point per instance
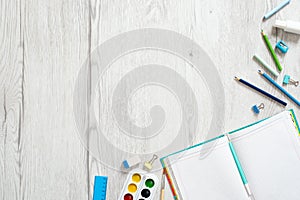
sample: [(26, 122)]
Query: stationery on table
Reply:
[(100, 184), (276, 9), (288, 26), (131, 162), (282, 46), (256, 108), (274, 56), (139, 184), (148, 165), (162, 188), (261, 91), (287, 80), (239, 167), (265, 155), (267, 77), (264, 63)]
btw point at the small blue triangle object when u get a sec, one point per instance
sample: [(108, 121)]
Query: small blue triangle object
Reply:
[(100, 185)]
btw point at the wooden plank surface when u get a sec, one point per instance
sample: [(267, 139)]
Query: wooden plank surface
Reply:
[(56, 42), (44, 45), (11, 99)]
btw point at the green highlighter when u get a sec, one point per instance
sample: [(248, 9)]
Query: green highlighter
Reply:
[(274, 56)]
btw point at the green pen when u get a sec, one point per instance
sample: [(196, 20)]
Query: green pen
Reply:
[(275, 58), (240, 169)]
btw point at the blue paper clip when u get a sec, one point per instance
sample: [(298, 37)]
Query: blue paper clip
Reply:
[(256, 109), (287, 80), (281, 45)]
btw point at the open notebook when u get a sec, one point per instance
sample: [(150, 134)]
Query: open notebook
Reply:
[(268, 151)]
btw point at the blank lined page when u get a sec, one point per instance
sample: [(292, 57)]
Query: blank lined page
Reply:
[(269, 154), (210, 175)]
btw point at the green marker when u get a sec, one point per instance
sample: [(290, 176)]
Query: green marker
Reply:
[(275, 58)]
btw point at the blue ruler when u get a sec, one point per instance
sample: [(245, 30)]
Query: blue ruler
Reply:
[(100, 185)]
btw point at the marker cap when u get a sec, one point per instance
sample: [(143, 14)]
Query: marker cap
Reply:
[(280, 24)]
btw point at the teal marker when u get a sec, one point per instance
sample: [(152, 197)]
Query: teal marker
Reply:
[(239, 166)]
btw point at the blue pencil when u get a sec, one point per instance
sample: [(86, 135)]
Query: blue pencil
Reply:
[(266, 76), (261, 91), (276, 9)]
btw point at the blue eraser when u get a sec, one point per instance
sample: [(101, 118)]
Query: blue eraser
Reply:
[(125, 164), (131, 162), (100, 185)]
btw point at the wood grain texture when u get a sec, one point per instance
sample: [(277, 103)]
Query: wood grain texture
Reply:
[(11, 99), (45, 43), (56, 43)]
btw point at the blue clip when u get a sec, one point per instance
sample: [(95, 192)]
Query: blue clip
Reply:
[(281, 45), (256, 109), (287, 79)]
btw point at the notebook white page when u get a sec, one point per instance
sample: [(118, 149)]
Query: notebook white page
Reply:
[(269, 154), (210, 176)]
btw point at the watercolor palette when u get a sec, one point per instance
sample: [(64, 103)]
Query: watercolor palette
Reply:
[(139, 185)]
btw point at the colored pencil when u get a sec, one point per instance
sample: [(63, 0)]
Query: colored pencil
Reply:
[(162, 189), (276, 9), (264, 63), (274, 56), (261, 91), (266, 76)]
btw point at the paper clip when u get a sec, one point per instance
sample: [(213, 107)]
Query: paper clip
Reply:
[(256, 109), (282, 46), (148, 165), (287, 80)]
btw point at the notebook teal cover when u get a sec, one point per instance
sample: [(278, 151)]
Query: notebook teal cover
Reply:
[(168, 165)]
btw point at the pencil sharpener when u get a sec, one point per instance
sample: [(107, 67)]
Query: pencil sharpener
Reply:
[(256, 109), (281, 45), (287, 80)]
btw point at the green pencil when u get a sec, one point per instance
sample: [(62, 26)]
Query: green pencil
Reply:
[(275, 58)]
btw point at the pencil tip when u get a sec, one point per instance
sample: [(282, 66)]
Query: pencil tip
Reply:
[(236, 78)]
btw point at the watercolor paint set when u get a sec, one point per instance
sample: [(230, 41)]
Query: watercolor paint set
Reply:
[(139, 185)]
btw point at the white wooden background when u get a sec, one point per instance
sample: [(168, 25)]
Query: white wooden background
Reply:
[(44, 43)]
